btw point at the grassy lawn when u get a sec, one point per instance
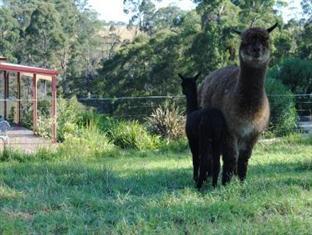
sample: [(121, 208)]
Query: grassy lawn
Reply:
[(152, 192)]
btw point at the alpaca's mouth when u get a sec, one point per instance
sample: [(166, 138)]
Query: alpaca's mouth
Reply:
[(255, 59)]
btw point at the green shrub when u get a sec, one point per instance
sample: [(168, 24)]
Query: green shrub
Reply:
[(26, 114), (132, 134), (282, 104), (167, 121), (177, 146), (85, 142), (104, 123), (44, 107), (10, 154), (44, 125), (70, 117), (11, 114), (296, 74)]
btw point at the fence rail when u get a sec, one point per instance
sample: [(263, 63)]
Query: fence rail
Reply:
[(142, 106)]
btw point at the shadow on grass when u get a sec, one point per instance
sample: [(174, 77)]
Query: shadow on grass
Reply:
[(102, 178), (142, 182), (95, 195), (286, 167)]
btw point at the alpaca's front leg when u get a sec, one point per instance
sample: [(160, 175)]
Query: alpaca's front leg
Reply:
[(206, 155), (242, 163), (243, 158), (230, 155)]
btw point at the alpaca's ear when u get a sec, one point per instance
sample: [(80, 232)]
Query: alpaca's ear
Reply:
[(197, 76), (237, 31), (181, 76), (272, 28)]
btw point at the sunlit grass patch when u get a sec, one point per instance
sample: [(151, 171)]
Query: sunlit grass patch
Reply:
[(8, 193), (132, 192)]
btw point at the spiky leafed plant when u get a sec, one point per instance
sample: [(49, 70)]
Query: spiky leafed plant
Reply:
[(167, 121)]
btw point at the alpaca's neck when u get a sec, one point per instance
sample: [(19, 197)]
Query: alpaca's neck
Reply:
[(250, 87), (191, 102)]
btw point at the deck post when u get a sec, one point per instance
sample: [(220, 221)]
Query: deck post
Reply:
[(53, 109), (18, 98), (5, 94), (34, 101)]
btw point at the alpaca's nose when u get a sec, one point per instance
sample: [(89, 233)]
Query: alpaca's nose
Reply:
[(257, 51)]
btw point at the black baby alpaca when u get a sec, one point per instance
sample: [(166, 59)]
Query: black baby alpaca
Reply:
[(205, 129)]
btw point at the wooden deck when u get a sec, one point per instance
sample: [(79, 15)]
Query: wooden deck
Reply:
[(24, 140), (305, 124)]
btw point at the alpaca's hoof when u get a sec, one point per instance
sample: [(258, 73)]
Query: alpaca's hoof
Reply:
[(199, 185), (195, 178), (206, 177), (225, 181)]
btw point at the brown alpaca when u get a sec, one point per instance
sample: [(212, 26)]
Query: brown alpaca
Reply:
[(239, 93)]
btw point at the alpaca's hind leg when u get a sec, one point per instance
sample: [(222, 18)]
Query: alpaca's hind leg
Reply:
[(195, 167), (216, 167), (195, 158), (209, 170), (205, 162)]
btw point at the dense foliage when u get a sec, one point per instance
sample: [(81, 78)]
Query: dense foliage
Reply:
[(200, 41), (283, 118), (53, 34), (68, 36), (132, 134), (296, 74)]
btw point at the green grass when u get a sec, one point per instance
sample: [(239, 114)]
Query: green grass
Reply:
[(152, 192)]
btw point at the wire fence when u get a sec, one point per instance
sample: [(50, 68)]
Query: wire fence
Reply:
[(130, 108), (141, 107), (304, 105)]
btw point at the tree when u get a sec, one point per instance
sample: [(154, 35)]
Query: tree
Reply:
[(307, 10), (142, 12), (297, 75), (149, 65), (45, 35), (215, 46), (9, 34), (167, 17), (85, 55), (61, 34), (21, 10), (305, 42), (305, 46), (258, 12)]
